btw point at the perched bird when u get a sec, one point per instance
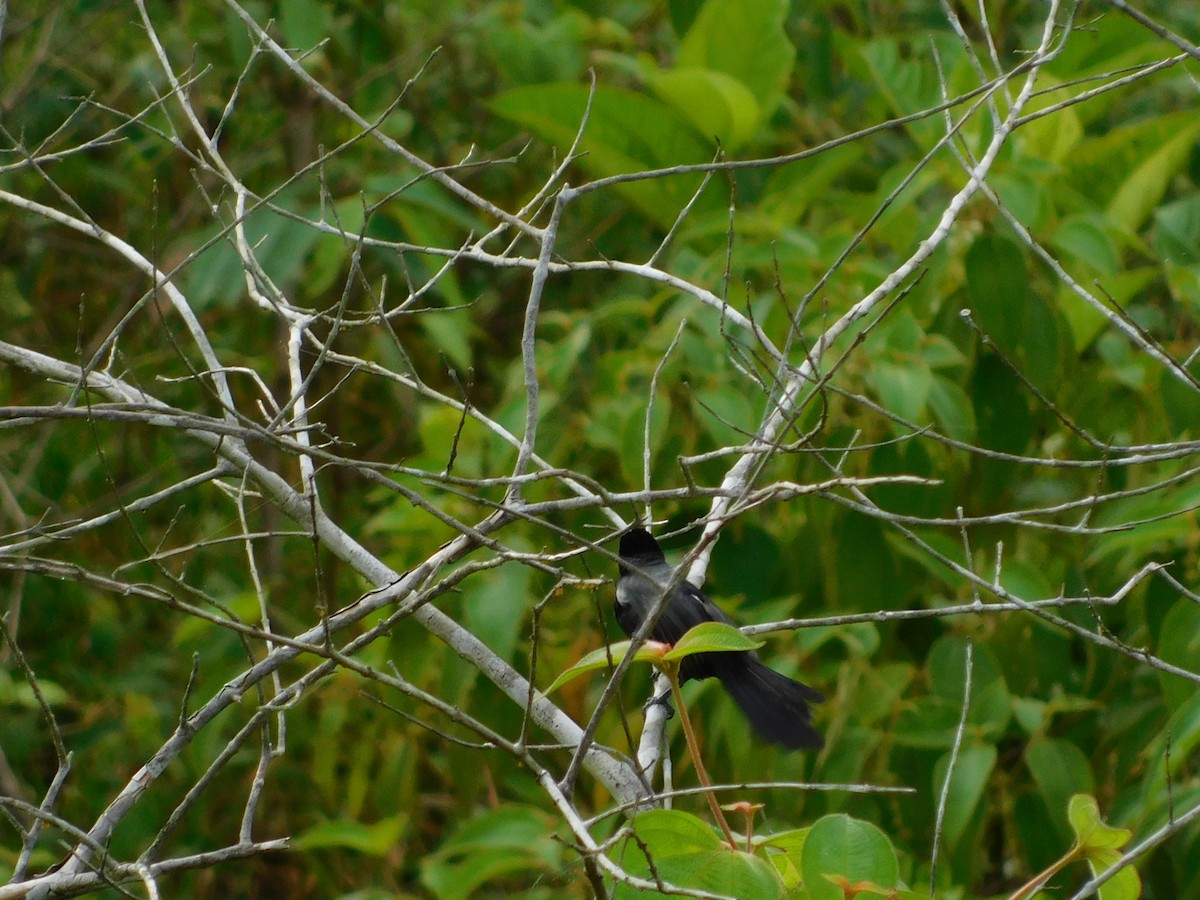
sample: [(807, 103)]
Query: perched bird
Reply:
[(775, 705)]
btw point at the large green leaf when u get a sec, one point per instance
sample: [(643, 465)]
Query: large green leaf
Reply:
[(626, 133), (839, 847), (1010, 312), (496, 843), (682, 850), (1155, 523), (1050, 137), (1060, 769), (1179, 644), (906, 76), (932, 721), (376, 840), (1084, 239), (1084, 321), (280, 245), (972, 770), (1127, 169), (716, 103), (707, 637), (496, 608), (903, 388), (1143, 188), (1177, 231), (600, 659), (711, 637), (533, 53), (745, 40), (952, 408)]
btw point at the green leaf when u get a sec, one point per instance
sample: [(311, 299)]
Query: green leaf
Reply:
[(750, 558), (1010, 314), (498, 842), (1177, 231), (305, 23), (1084, 320), (905, 83), (1176, 740), (790, 845), (651, 651), (626, 132), (997, 284), (1141, 191), (717, 104), (375, 840), (882, 687), (971, 773), (860, 638), (245, 605), (16, 691), (281, 245), (633, 433), (531, 53), (496, 609), (1051, 137), (838, 845), (722, 412), (673, 832), (793, 190), (708, 637), (940, 353), (687, 853), (436, 429), (932, 721), (1181, 402), (1158, 523), (1023, 579), (558, 360), (1101, 844), (1030, 714), (1082, 237), (1001, 413), (1179, 644), (1125, 885), (1105, 167), (991, 704), (1083, 812), (903, 388), (744, 39), (952, 408), (683, 13), (1060, 770), (449, 331), (1024, 195)]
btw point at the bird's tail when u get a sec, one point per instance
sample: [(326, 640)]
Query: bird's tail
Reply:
[(776, 706)]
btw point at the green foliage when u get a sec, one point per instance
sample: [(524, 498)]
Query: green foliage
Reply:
[(707, 637), (1101, 845), (626, 132), (1036, 418), (677, 848), (492, 845), (838, 856)]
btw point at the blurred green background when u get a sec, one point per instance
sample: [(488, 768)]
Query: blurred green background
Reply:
[(379, 806)]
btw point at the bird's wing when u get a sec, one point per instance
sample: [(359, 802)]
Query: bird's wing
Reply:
[(687, 609)]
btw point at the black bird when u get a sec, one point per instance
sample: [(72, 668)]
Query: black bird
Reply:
[(775, 705)]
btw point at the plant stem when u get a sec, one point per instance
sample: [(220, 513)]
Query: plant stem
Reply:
[(694, 750)]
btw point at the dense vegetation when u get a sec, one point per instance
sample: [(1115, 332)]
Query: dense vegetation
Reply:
[(337, 339)]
